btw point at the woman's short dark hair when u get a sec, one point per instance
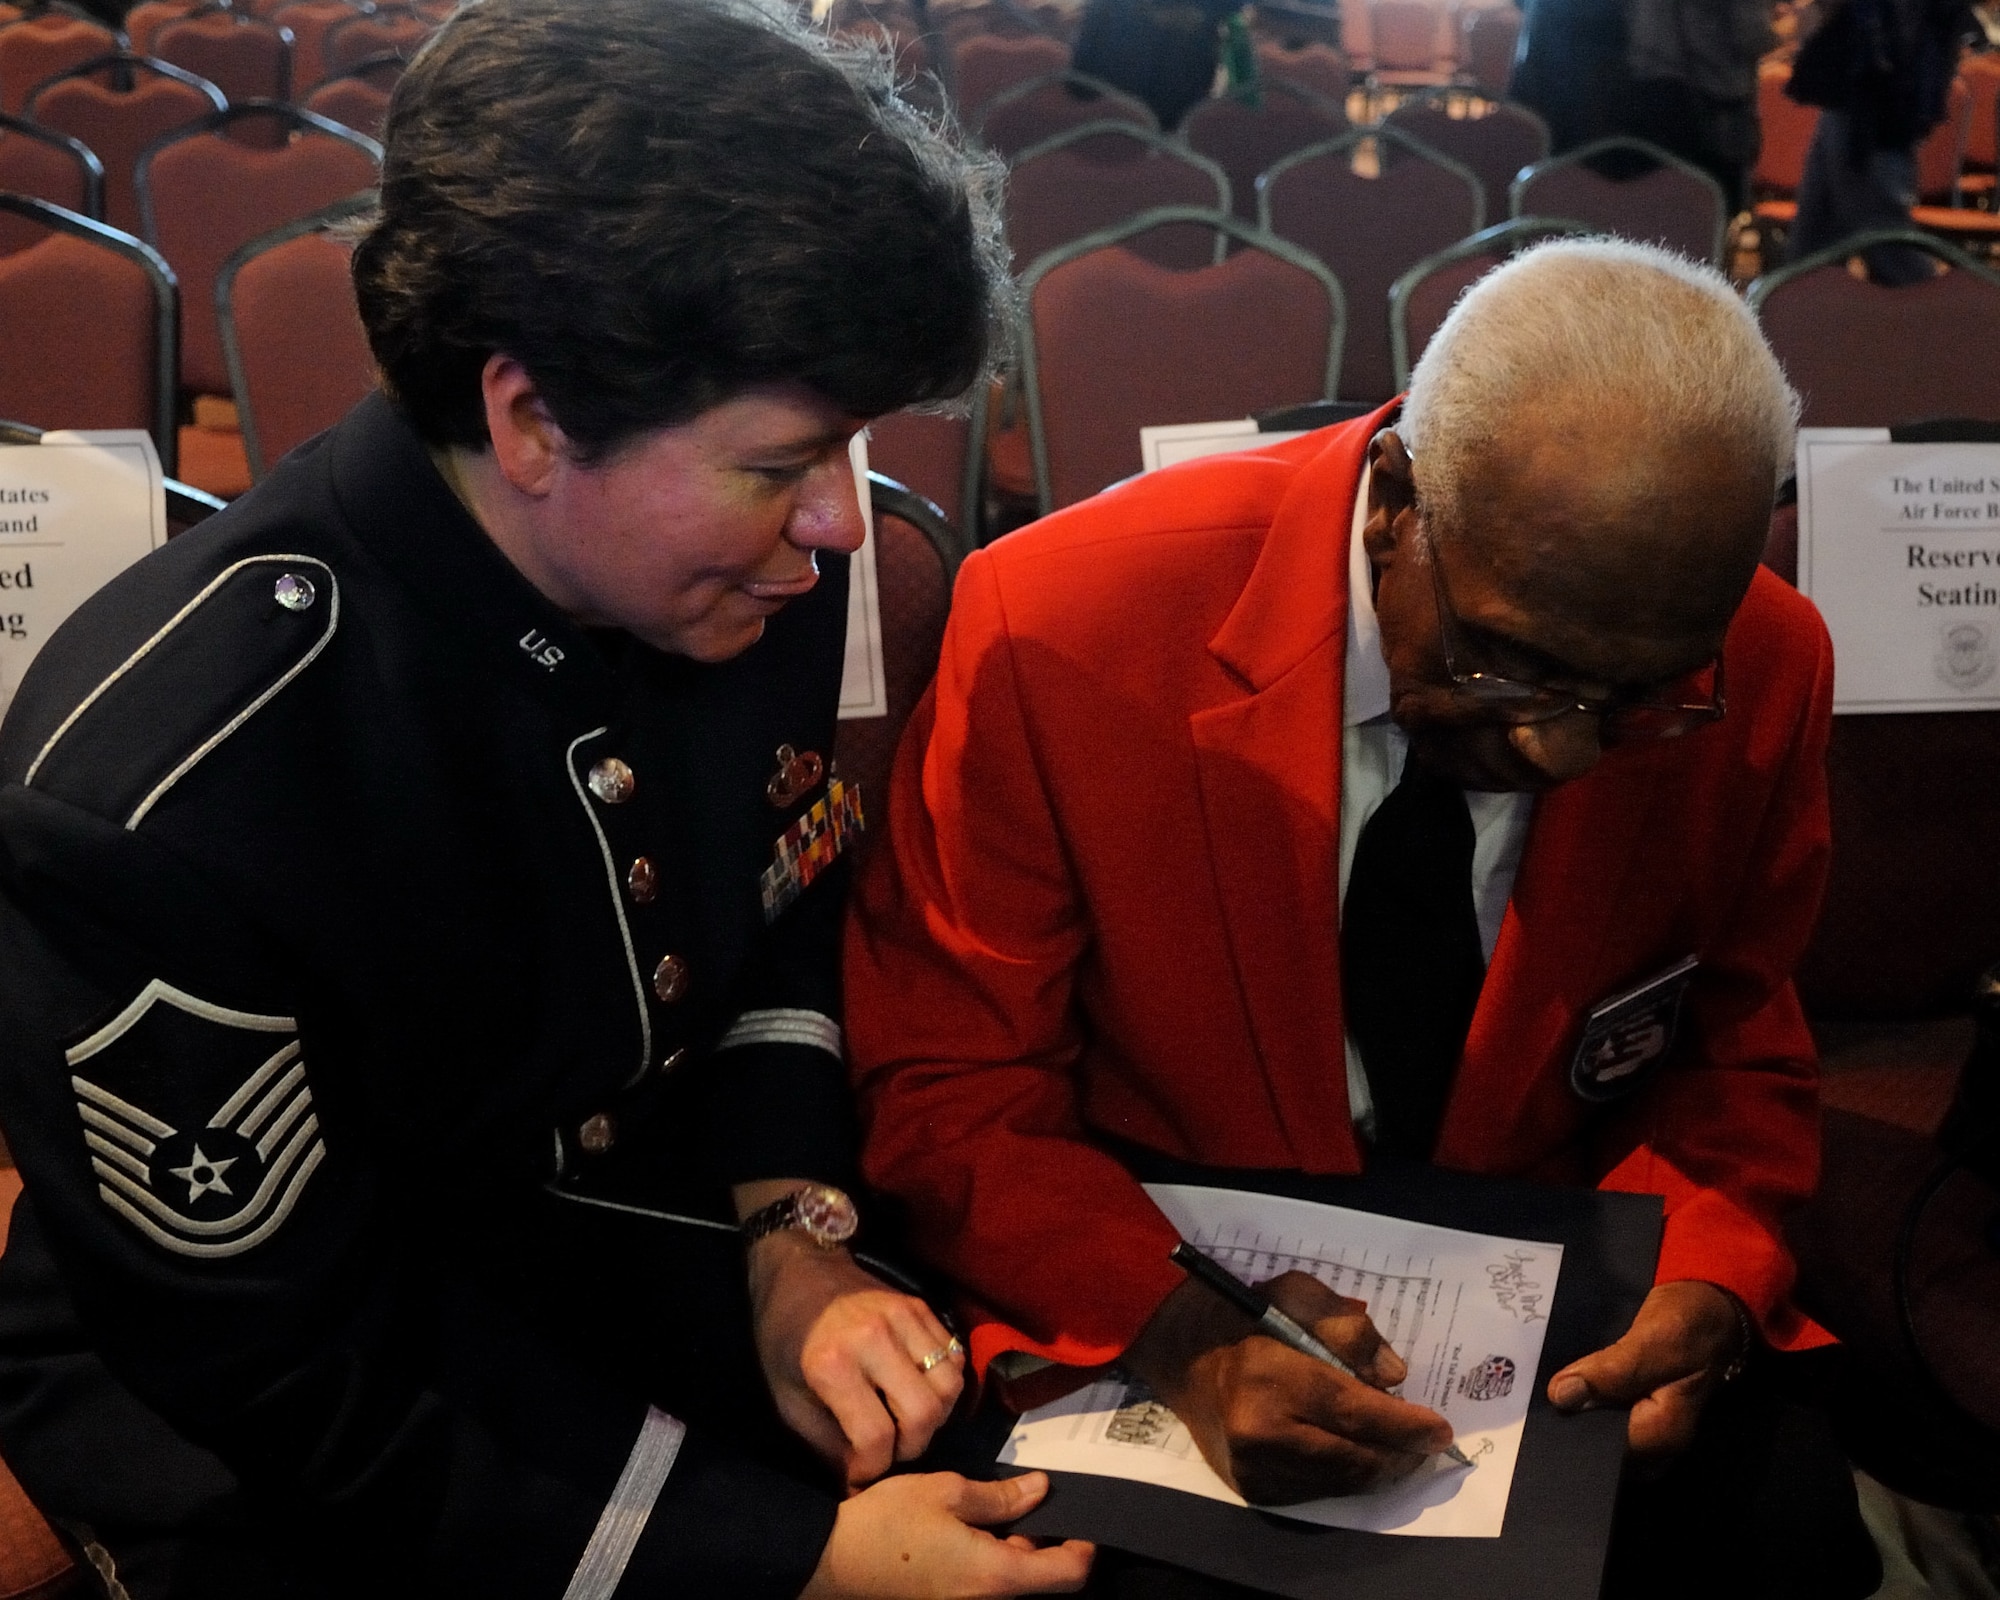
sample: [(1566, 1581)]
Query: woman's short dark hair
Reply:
[(653, 205)]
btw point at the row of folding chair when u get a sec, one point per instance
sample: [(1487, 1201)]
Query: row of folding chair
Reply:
[(94, 318)]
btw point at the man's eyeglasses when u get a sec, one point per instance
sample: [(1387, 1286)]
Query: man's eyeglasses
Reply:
[(1621, 719)]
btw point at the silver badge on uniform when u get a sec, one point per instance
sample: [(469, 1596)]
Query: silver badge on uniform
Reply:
[(199, 1120), (1627, 1036)]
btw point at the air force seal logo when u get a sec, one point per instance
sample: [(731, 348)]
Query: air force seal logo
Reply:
[(1629, 1035), (199, 1121), (1492, 1379)]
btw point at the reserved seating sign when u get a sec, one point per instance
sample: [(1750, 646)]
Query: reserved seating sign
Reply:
[(1899, 547), (76, 510)]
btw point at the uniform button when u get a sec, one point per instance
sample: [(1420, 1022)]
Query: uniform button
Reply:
[(670, 979), (295, 593), (642, 883), (597, 1134), (612, 781)]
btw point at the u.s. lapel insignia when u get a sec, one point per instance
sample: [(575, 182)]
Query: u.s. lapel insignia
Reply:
[(1626, 1037), (811, 845), (215, 1159), (795, 778)]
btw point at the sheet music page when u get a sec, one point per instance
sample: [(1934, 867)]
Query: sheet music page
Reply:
[(1466, 1311)]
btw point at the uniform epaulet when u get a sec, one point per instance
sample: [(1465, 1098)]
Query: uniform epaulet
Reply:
[(187, 687)]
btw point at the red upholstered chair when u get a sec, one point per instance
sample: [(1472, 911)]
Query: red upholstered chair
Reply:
[(309, 22), (1488, 36), (1655, 197), (1370, 231), (1245, 140), (119, 105), (49, 166), (1026, 114), (204, 195), (34, 1565), (1422, 298), (390, 31), (39, 48), (917, 553), (90, 315), (359, 99), (1413, 44), (298, 359), (1357, 37), (1101, 173), (1114, 343), (148, 17), (1495, 145), (1912, 911), (1314, 67), (243, 56), (986, 65), (927, 454), (1942, 151), (1981, 76)]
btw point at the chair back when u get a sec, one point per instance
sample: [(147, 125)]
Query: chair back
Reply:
[(987, 65), (1787, 134), (120, 123), (91, 317), (245, 57), (1114, 343), (1370, 230), (358, 99), (917, 552), (1489, 37), (49, 166), (1631, 188), (204, 194), (1495, 146), (298, 358), (148, 17), (39, 48), (1245, 139), (1422, 298), (1941, 152), (926, 454), (309, 22), (1315, 67), (1030, 113), (396, 31), (1097, 175), (1357, 36), (1412, 41), (1981, 76)]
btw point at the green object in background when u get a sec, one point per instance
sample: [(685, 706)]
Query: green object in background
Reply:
[(1239, 60)]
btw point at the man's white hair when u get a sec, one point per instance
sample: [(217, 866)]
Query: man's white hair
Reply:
[(1594, 328)]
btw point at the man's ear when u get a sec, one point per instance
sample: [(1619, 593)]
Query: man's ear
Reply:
[(1392, 490), (528, 446)]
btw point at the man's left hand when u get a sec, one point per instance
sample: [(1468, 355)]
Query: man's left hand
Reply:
[(1685, 1337), (844, 1353)]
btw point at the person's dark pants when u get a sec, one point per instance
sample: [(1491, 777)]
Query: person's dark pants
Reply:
[(1762, 1508), (1851, 185)]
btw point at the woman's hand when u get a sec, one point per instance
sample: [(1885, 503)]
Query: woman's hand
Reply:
[(922, 1537)]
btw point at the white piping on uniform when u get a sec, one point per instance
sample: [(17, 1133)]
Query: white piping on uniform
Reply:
[(116, 1028), (785, 1025), (617, 903), (617, 1533)]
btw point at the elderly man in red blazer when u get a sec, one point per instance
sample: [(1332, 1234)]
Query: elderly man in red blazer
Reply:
[(1130, 896)]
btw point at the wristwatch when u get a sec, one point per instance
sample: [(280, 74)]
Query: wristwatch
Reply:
[(824, 1214)]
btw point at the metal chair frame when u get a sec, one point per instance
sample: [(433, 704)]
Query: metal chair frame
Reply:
[(1074, 80), (298, 117), (1500, 236), (186, 504), (890, 498), (1637, 147), (126, 60), (166, 304), (1281, 86), (93, 169), (1222, 222), (1152, 140), (225, 311), (1762, 288), (1353, 137), (249, 19)]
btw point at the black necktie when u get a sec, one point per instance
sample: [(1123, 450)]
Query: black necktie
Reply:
[(1410, 956)]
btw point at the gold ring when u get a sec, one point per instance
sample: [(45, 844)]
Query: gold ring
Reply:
[(943, 1353)]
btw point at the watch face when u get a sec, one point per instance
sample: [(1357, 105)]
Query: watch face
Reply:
[(827, 1214)]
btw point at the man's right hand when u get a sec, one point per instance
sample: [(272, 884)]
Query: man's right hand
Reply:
[(922, 1537), (1279, 1427)]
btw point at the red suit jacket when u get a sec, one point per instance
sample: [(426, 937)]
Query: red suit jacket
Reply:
[(1108, 902)]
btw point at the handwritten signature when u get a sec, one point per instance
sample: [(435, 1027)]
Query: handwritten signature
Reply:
[(1516, 1293)]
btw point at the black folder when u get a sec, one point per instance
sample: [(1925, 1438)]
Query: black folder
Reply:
[(1558, 1522)]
